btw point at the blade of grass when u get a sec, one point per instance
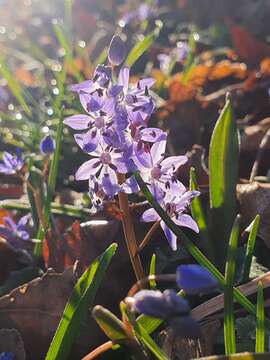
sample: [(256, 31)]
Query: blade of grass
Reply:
[(152, 283), (142, 46), (198, 214), (250, 247), (193, 249), (260, 327), (14, 86), (59, 209), (81, 299), (190, 60), (68, 51), (51, 187), (229, 326), (223, 166)]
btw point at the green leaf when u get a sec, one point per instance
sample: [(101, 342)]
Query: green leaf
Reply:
[(51, 186), (193, 249), (198, 215), (14, 86), (223, 166), (152, 283), (110, 324), (229, 326), (260, 327), (142, 46), (250, 247), (80, 301)]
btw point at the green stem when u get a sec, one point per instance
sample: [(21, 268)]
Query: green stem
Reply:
[(193, 250)]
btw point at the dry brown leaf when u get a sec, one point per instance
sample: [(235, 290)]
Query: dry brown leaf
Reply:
[(35, 309), (254, 198), (265, 66), (252, 135), (25, 77), (226, 68)]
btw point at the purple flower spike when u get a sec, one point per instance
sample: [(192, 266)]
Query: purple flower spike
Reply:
[(160, 305), (11, 163), (47, 145), (195, 279), (117, 50)]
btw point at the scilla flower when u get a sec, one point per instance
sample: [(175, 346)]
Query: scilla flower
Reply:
[(195, 279), (47, 145), (11, 163), (15, 232)]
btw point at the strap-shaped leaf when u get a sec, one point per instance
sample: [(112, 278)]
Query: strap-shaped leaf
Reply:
[(223, 166), (81, 299)]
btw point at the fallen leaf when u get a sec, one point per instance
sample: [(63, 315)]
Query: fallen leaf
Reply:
[(246, 44), (254, 198), (25, 77)]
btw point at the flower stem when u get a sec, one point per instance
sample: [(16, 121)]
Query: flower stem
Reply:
[(148, 236), (129, 232), (99, 350)]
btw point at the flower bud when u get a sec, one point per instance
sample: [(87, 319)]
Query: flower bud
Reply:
[(160, 305), (47, 145), (117, 50), (195, 279)]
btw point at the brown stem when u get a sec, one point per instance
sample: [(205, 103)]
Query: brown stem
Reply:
[(129, 232), (262, 147), (140, 284), (98, 351), (148, 236)]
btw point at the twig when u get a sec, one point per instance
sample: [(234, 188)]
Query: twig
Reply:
[(262, 147), (129, 232), (140, 284), (148, 236), (98, 351)]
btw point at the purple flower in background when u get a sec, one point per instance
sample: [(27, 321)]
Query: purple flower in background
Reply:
[(167, 306), (13, 232), (195, 279), (117, 50), (11, 164), (174, 205), (176, 55), (142, 13), (47, 145), (160, 305), (7, 356)]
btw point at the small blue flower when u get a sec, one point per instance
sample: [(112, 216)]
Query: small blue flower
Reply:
[(11, 164), (195, 279), (7, 356), (13, 232), (47, 145), (160, 305), (117, 50)]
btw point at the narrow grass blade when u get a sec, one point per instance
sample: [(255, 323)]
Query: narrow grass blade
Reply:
[(51, 186), (142, 46), (152, 283), (68, 50), (199, 216), (250, 247), (80, 301), (193, 249), (14, 86), (59, 209), (223, 166), (260, 326), (190, 60), (229, 326)]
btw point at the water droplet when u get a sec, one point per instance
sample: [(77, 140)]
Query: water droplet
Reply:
[(18, 116), (56, 91), (50, 111)]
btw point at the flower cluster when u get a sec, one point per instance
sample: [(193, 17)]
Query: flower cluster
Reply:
[(193, 279), (114, 132)]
